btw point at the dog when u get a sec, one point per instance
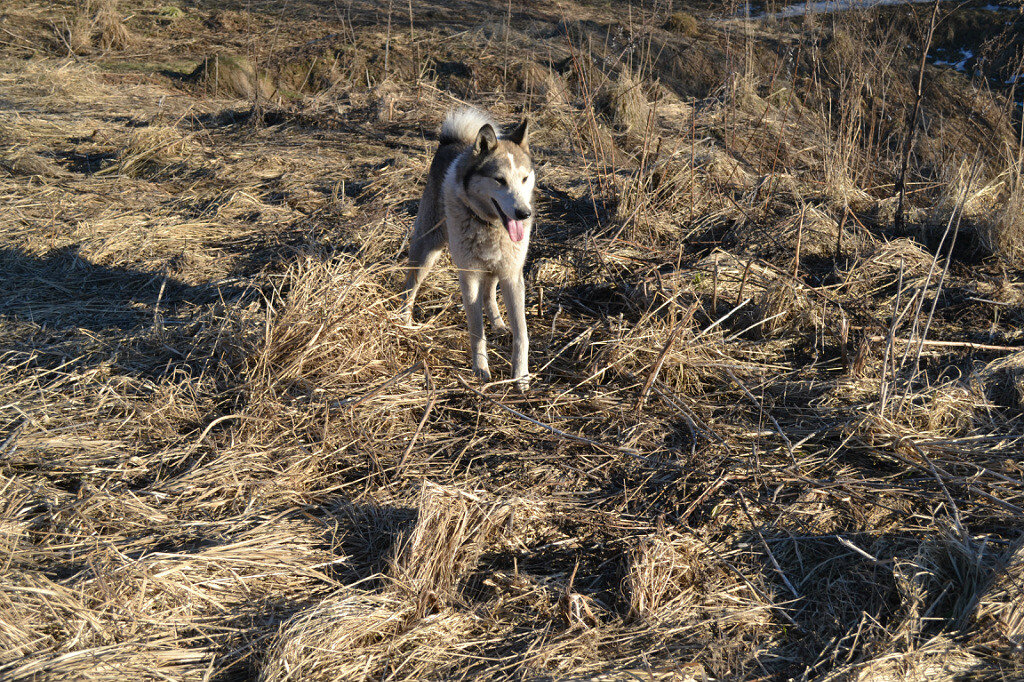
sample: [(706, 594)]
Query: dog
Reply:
[(478, 198)]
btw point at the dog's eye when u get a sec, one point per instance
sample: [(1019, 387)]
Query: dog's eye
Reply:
[(525, 178), (501, 181)]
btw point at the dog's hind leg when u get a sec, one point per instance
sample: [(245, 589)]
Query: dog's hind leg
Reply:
[(472, 299), (490, 293), (514, 292), (424, 248)]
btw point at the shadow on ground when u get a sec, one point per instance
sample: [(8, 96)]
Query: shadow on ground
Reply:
[(64, 291)]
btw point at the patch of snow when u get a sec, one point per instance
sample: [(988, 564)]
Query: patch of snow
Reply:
[(965, 56), (828, 6)]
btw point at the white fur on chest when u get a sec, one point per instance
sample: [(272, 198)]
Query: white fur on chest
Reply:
[(475, 245)]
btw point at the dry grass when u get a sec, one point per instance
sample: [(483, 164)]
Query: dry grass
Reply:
[(768, 438), (229, 75), (626, 103)]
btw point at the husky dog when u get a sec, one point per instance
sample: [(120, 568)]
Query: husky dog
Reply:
[(479, 196)]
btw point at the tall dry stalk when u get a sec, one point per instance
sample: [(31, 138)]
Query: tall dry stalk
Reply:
[(911, 130)]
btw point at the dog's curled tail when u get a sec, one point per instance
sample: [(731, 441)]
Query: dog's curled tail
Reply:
[(462, 125)]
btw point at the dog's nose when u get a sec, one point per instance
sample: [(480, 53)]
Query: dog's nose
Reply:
[(523, 213)]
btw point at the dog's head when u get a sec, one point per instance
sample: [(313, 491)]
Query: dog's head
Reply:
[(500, 178)]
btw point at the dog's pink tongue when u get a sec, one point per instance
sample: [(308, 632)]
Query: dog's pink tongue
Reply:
[(515, 229)]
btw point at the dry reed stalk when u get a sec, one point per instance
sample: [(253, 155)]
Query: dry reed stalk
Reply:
[(911, 129)]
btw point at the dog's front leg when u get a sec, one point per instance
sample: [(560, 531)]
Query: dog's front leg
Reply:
[(472, 299), (513, 290), (490, 292)]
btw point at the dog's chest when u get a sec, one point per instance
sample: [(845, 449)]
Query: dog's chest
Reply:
[(484, 242), (478, 246)]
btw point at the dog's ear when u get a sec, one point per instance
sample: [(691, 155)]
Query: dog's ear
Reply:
[(486, 140), (521, 135)]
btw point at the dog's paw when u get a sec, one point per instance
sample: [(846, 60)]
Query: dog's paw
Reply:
[(483, 374), (523, 383)]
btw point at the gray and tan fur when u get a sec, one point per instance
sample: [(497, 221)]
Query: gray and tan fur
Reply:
[(478, 198)]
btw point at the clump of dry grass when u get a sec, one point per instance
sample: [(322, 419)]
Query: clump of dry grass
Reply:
[(938, 658), (659, 572), (411, 626), (770, 303), (1002, 232), (55, 81), (683, 591), (229, 75), (310, 71), (683, 23), (360, 636), (879, 267), (625, 102), (331, 333), (154, 152), (26, 162), (1002, 380), (780, 306), (1000, 609), (723, 170), (951, 409), (651, 196), (453, 528), (536, 80), (385, 96), (113, 34), (98, 23), (76, 34), (973, 206)]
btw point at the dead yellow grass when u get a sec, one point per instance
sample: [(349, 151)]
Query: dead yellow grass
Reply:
[(452, 530), (767, 439)]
